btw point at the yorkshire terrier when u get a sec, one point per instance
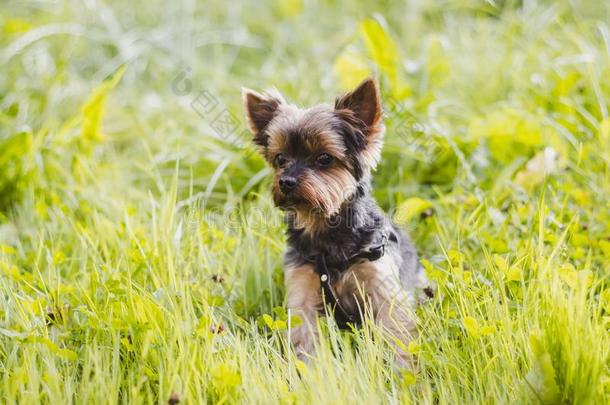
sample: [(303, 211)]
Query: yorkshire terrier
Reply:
[(345, 257)]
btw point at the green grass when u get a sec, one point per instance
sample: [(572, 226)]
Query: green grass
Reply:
[(139, 250)]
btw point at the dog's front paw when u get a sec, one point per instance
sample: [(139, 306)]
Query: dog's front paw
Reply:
[(303, 340), (404, 361)]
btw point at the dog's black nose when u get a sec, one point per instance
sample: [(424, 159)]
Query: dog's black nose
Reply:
[(287, 184)]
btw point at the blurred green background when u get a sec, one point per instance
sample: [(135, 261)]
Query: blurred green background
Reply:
[(489, 82), (131, 200)]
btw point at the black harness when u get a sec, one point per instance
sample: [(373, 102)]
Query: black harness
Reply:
[(330, 274)]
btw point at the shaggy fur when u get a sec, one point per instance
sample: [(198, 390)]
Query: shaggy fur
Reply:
[(323, 157)]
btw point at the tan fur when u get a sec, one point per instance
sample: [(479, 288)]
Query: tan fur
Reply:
[(325, 191), (372, 153), (318, 132), (368, 287), (311, 221), (363, 106), (303, 297), (322, 194), (328, 189), (375, 286), (260, 110), (315, 122), (288, 118), (314, 127), (324, 140)]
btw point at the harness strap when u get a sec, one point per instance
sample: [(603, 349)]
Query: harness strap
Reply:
[(342, 317)]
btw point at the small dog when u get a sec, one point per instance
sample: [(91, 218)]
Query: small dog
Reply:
[(344, 255)]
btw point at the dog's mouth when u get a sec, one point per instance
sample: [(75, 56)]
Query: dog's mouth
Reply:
[(295, 202), (290, 202), (300, 209), (299, 212)]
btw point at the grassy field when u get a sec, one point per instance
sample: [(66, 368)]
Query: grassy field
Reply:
[(141, 255)]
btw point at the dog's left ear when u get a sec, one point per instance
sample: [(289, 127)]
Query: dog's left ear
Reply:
[(365, 104), (260, 110)]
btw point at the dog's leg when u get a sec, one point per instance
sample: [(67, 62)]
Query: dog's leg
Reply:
[(392, 307), (398, 322), (303, 297)]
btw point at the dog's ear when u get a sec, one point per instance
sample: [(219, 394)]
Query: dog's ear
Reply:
[(365, 104), (360, 111), (260, 110)]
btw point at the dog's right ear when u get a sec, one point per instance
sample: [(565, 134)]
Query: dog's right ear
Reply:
[(260, 110)]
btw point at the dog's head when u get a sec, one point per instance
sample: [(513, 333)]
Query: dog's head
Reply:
[(319, 154)]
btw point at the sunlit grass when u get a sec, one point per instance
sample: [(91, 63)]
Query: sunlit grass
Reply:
[(139, 247)]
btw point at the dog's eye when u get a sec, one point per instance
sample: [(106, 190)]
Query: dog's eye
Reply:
[(324, 159), (280, 160)]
